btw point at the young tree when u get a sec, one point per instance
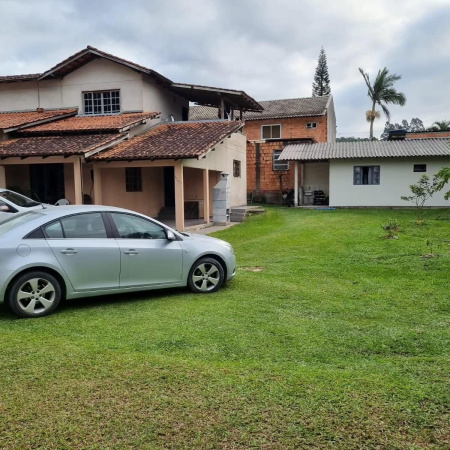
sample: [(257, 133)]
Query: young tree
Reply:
[(382, 92), (321, 84), (444, 178), (422, 191)]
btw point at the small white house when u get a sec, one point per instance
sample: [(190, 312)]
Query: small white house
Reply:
[(358, 174)]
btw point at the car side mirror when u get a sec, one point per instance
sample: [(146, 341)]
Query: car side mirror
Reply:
[(170, 235)]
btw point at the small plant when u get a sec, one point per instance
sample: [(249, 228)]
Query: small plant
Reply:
[(422, 191), (391, 228), (430, 253)]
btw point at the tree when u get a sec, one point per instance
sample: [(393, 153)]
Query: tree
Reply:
[(321, 84), (422, 191), (441, 125), (414, 126), (444, 178), (382, 93)]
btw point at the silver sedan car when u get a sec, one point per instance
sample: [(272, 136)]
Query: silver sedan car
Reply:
[(82, 251)]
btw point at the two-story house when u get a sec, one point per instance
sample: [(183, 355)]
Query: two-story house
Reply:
[(98, 128), (281, 122)]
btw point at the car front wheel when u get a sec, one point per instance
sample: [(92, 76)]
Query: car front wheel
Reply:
[(34, 294), (206, 276)]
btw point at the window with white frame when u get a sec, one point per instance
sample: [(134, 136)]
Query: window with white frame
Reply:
[(311, 125), (277, 164), (271, 132), (366, 175), (101, 102)]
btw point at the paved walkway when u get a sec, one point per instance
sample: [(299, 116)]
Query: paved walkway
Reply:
[(210, 229)]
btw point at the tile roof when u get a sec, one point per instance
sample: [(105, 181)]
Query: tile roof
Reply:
[(108, 123), (273, 109), (11, 78), (90, 53), (366, 149), (171, 140), (18, 119), (66, 145)]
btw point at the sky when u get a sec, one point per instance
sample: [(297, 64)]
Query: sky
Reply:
[(267, 48)]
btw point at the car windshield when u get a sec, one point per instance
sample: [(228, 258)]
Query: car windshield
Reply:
[(18, 199), (16, 220)]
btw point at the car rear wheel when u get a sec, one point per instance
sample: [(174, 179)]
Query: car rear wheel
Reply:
[(34, 294), (206, 276)]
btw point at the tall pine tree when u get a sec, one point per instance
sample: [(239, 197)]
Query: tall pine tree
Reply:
[(321, 84)]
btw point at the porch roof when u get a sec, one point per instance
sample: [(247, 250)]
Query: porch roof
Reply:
[(92, 124), (14, 120), (366, 149), (172, 140), (67, 145)]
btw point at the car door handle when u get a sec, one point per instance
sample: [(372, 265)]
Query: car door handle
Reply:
[(131, 252), (69, 251)]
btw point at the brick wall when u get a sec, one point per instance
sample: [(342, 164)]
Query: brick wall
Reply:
[(269, 179), (428, 135), (290, 128)]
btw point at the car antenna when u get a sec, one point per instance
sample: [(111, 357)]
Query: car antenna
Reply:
[(39, 200)]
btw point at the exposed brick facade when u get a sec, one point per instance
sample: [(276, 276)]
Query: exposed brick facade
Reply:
[(263, 182), (428, 135)]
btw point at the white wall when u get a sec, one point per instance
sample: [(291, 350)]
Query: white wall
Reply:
[(138, 92), (158, 99), (396, 174), (331, 121), (221, 159), (316, 176)]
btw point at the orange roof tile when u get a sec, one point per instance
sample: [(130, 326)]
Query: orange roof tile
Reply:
[(16, 120), (66, 145), (172, 140), (110, 123)]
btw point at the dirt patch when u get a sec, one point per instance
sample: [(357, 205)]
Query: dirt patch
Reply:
[(252, 269)]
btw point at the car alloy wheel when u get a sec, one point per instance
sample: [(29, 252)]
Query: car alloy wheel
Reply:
[(206, 276), (34, 294)]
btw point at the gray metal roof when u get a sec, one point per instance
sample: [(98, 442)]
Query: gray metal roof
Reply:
[(273, 109), (367, 149)]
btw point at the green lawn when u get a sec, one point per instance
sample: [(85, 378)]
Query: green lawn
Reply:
[(341, 341)]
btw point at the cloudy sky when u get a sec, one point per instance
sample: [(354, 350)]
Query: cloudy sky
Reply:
[(267, 48)]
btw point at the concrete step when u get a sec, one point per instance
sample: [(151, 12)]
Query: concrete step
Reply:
[(237, 217)]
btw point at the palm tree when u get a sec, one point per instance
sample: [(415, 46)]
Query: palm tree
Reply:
[(441, 125), (382, 93)]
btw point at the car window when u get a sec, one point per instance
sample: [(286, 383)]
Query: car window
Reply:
[(85, 226), (16, 220), (54, 230), (133, 227), (17, 199)]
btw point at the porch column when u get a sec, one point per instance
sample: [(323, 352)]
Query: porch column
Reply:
[(206, 211), (296, 183), (179, 196), (78, 184), (2, 177), (97, 185)]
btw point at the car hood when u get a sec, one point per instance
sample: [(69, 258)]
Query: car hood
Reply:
[(203, 238)]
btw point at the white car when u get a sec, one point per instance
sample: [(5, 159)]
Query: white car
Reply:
[(12, 202)]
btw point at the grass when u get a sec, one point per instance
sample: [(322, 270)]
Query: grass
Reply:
[(341, 341)]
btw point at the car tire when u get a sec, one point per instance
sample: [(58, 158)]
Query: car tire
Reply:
[(206, 276), (34, 294)]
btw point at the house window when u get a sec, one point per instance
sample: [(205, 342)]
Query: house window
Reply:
[(236, 168), (420, 167), (101, 102), (133, 179), (279, 165), (311, 125), (271, 132), (366, 175)]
